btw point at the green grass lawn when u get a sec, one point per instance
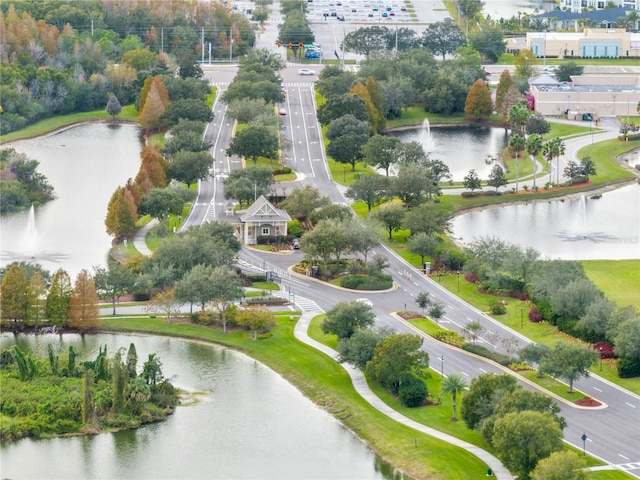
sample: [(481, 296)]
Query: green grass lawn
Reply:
[(610, 475), (616, 278), (327, 384), (128, 114)]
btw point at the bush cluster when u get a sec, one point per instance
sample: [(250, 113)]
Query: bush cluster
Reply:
[(449, 336), (366, 282), (504, 360)]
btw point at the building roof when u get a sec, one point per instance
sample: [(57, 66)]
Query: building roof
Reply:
[(544, 78), (263, 210), (606, 15)]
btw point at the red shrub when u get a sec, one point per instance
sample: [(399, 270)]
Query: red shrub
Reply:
[(534, 315), (605, 349)]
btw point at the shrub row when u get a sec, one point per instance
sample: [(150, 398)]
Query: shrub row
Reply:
[(504, 360), (449, 336), (273, 240), (481, 193), (270, 300), (366, 282)]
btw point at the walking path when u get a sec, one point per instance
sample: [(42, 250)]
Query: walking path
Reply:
[(139, 239), (360, 384)]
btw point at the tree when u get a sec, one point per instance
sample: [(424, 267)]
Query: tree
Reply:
[(59, 298), (358, 349), (390, 216), (330, 238), (248, 184), (246, 110), (84, 311), (472, 181), (113, 282), (113, 106), (164, 302), (572, 299), (518, 117), (396, 357), (302, 202), (195, 286), (160, 202), (186, 108), (565, 465), (227, 288), (187, 65), (347, 148), (347, 124), (253, 142), (295, 29), (443, 38), (426, 218), (525, 62), (489, 42), (568, 69), (257, 319), (521, 439), (370, 189), (627, 339), (189, 141), (516, 145), (377, 119), (473, 330), (121, 218), (365, 40), (478, 105), (504, 84), (534, 353), (264, 57), (453, 385), (346, 318), (154, 105), (36, 298), (537, 124), (569, 362), (340, 105), (588, 166), (13, 294), (423, 244), (483, 395), (189, 167), (380, 151), (497, 178)]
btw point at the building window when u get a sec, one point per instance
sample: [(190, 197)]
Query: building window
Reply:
[(600, 5), (584, 3), (265, 230)]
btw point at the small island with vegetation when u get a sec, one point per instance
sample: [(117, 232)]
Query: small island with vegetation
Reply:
[(20, 182), (59, 396)]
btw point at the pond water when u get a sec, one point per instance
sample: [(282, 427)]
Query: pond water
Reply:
[(581, 228), (250, 423), (461, 148), (84, 164)]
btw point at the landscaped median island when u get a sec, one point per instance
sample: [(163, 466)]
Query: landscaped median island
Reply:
[(516, 364)]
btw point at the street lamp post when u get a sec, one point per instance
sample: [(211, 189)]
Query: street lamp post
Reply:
[(600, 349), (442, 365), (458, 280), (521, 317)]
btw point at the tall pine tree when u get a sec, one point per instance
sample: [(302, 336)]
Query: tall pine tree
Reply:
[(59, 298), (84, 310), (13, 290)]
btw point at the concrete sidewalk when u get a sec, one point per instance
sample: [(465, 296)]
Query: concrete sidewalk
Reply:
[(139, 239), (361, 386)]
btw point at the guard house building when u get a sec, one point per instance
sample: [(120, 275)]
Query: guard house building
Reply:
[(262, 219)]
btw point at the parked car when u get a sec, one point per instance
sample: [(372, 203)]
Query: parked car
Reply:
[(312, 54), (282, 111), (296, 244), (306, 71)]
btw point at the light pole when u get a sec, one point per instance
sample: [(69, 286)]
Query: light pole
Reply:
[(442, 365), (600, 349), (458, 280), (521, 317)]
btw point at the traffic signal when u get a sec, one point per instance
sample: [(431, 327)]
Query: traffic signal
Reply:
[(300, 44), (290, 45)]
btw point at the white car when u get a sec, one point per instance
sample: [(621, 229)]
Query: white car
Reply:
[(306, 71), (365, 301)]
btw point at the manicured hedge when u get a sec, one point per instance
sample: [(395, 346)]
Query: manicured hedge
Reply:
[(485, 352), (367, 282)]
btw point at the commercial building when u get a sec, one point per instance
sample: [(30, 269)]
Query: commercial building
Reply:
[(583, 5), (616, 95), (591, 43)]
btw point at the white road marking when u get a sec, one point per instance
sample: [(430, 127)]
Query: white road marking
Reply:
[(620, 455), (465, 374), (632, 406), (596, 388), (482, 370)]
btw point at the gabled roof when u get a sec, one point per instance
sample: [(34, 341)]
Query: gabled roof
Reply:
[(263, 210), (543, 78)]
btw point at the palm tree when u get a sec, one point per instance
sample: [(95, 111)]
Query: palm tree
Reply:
[(558, 149), (547, 153), (453, 385), (516, 145), (533, 145)]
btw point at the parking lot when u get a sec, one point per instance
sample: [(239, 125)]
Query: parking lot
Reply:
[(360, 11)]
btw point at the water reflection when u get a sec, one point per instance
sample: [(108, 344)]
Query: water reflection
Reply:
[(250, 424), (581, 228), (461, 148), (506, 9), (84, 164)]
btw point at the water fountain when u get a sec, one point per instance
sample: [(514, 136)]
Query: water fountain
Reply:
[(427, 139), (31, 234), (578, 229)]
